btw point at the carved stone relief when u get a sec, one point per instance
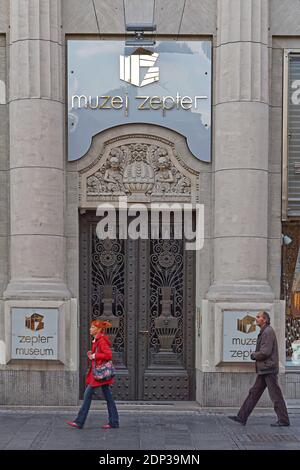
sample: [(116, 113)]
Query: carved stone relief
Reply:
[(141, 170), (138, 168)]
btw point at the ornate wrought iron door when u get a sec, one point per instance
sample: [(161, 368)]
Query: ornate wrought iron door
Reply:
[(145, 288)]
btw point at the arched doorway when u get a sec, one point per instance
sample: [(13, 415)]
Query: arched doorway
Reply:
[(145, 287)]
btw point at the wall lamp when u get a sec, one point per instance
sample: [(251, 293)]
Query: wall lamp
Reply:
[(139, 38), (285, 239)]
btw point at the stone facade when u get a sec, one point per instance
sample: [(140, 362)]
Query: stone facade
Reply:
[(41, 193)]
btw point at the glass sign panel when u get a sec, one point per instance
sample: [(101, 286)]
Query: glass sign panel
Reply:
[(34, 333), (239, 335), (110, 85)]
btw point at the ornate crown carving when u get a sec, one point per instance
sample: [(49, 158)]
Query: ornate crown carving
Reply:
[(137, 169)]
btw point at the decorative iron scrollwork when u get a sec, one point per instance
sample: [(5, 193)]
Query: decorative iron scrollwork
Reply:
[(107, 298), (166, 297), (139, 286)]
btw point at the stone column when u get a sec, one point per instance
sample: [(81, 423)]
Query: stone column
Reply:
[(4, 220), (37, 179), (241, 152)]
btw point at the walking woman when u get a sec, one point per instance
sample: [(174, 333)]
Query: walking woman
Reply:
[(101, 352)]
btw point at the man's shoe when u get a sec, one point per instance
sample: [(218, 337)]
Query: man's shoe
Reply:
[(279, 423), (237, 419), (108, 426), (73, 425)]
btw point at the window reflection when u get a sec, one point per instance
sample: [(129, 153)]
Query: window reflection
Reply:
[(291, 292)]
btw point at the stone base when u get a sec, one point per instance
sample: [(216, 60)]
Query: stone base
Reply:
[(229, 389), (225, 382), (215, 338), (39, 388), (40, 382), (292, 385), (37, 289), (61, 388), (249, 291)]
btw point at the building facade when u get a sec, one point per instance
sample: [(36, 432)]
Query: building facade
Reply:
[(182, 321)]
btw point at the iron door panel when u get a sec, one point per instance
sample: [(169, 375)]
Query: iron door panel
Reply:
[(145, 288)]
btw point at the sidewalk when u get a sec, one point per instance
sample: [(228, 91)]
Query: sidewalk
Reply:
[(146, 427)]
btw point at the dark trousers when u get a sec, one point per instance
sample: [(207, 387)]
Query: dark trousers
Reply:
[(113, 418), (255, 392)]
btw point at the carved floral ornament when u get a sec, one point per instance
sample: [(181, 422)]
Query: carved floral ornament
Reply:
[(139, 171)]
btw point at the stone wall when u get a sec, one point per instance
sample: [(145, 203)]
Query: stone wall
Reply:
[(242, 199)]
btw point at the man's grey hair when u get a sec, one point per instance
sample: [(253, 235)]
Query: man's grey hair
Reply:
[(266, 317)]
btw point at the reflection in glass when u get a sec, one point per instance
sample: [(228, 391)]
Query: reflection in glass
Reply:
[(291, 293), (178, 90)]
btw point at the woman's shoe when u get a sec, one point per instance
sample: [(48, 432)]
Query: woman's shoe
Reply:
[(108, 426), (73, 425)]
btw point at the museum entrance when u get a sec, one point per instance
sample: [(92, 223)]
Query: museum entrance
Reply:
[(146, 289)]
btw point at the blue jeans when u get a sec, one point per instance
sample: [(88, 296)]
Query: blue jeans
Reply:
[(113, 417)]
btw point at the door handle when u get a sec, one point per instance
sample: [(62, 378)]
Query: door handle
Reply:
[(144, 332)]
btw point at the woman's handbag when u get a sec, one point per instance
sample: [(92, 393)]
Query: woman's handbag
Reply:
[(104, 372)]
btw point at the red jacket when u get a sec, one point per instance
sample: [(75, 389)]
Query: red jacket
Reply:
[(101, 348)]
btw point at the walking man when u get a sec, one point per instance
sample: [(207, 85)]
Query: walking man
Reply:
[(267, 368)]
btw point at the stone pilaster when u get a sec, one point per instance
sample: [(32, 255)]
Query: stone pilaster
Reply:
[(241, 152), (37, 178), (4, 220)]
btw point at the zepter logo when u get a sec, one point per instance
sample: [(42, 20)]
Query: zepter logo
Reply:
[(247, 324), (130, 69), (34, 322)]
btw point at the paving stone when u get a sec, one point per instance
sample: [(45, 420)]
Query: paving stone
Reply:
[(46, 430)]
